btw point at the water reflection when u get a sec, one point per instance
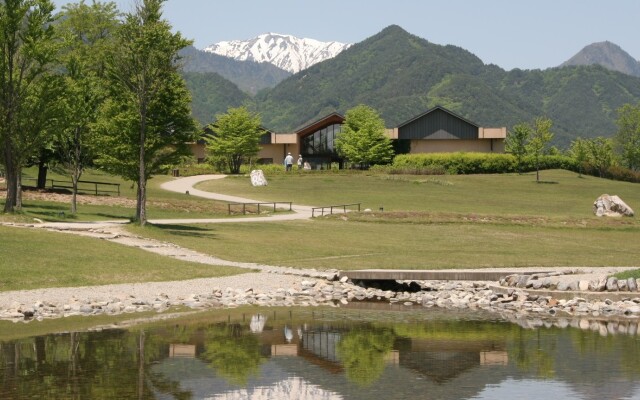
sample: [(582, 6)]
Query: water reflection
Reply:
[(328, 355)]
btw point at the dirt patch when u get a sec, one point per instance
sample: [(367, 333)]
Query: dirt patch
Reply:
[(46, 195)]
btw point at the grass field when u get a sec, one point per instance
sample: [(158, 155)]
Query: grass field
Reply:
[(161, 203), (33, 259), (428, 222)]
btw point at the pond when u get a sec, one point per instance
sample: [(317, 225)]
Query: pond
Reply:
[(330, 353)]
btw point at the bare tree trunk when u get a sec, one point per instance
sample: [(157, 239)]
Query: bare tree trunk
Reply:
[(10, 176), (76, 171), (141, 365), (141, 211), (18, 205)]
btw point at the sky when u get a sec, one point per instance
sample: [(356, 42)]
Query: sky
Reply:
[(526, 34)]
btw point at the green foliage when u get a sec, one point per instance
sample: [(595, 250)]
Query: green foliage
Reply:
[(363, 140), (579, 152), (212, 95), (28, 88), (478, 163), (146, 121), (628, 136), (600, 154), (401, 76), (233, 352), (362, 352), (87, 32), (540, 137), (236, 137), (516, 142)]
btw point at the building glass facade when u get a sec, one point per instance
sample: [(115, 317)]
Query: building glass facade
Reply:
[(318, 148)]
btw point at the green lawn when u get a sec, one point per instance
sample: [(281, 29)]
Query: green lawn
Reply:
[(161, 203), (33, 259), (563, 194), (428, 222)]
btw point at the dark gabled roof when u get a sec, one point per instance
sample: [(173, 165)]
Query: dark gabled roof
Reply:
[(334, 117), (434, 109)]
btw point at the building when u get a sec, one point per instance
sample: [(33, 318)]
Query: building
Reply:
[(437, 130)]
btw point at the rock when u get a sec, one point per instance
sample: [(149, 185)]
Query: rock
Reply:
[(622, 285), (257, 178), (583, 286), (522, 281), (632, 285), (612, 284), (611, 206)]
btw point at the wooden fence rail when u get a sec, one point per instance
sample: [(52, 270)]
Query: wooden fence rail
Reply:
[(271, 203), (331, 208)]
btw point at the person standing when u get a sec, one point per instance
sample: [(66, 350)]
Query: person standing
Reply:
[(299, 161), (288, 161)]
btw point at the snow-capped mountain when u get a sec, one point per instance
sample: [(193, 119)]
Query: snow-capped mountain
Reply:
[(284, 51)]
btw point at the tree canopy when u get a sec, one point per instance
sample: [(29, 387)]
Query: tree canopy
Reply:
[(28, 49), (236, 137), (146, 121), (363, 140), (628, 137)]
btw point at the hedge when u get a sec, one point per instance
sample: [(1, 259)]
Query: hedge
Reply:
[(477, 163)]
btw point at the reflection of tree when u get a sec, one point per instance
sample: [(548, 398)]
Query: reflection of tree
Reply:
[(362, 352), (234, 353), (534, 354)]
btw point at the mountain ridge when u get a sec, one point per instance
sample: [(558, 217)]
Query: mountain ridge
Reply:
[(402, 75), (287, 52)]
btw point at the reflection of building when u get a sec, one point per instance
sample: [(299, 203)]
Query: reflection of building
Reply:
[(182, 350), (437, 130)]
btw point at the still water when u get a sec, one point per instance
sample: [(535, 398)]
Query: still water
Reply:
[(306, 354)]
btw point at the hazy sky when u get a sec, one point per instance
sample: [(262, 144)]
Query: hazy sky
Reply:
[(523, 34)]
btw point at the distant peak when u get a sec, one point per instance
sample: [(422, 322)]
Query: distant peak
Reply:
[(608, 55), (284, 51)]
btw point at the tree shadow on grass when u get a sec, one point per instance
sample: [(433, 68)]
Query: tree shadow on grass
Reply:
[(548, 182), (187, 230)]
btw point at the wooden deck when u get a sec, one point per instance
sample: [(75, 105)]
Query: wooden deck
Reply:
[(432, 275)]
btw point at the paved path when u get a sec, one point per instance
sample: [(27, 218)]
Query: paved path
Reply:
[(182, 185)]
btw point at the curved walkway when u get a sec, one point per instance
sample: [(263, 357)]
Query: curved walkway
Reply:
[(182, 185)]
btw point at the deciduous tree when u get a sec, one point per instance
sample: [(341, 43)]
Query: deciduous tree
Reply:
[(146, 122), (628, 136), (363, 140), (236, 137), (600, 154), (87, 32), (579, 152), (28, 88), (516, 142), (541, 136)]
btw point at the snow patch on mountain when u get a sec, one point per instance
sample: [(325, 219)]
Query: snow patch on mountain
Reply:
[(284, 51)]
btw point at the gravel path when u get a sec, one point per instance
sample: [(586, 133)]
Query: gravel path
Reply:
[(268, 279)]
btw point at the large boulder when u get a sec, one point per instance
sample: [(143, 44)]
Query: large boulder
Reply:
[(611, 206), (257, 178)]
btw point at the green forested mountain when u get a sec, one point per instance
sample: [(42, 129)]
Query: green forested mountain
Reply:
[(249, 76), (402, 75), (212, 94)]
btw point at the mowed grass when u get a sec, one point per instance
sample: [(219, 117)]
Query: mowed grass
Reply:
[(562, 193), (31, 259), (428, 223), (161, 204)]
